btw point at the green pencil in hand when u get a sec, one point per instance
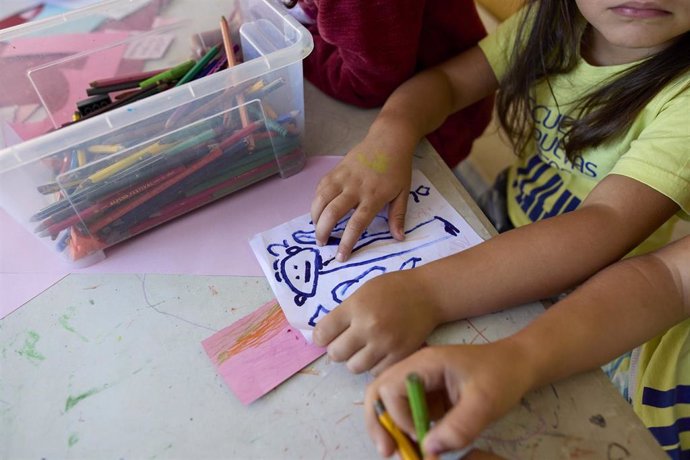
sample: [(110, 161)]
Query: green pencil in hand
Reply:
[(417, 400)]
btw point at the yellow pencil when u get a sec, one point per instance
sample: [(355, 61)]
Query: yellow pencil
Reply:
[(104, 149), (405, 448), (125, 162), (81, 157)]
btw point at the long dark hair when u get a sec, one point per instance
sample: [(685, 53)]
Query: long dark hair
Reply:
[(547, 44)]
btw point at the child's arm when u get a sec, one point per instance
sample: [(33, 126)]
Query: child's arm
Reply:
[(621, 307), (377, 171), (391, 315)]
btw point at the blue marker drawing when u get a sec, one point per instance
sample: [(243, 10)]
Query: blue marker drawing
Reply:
[(301, 268), (309, 282)]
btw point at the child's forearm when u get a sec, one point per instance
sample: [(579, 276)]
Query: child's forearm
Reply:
[(618, 309), (421, 104), (545, 258)]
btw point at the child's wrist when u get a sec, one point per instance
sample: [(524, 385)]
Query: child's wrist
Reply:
[(533, 357), (423, 281), (395, 128)]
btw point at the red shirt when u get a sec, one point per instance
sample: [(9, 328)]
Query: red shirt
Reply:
[(363, 50)]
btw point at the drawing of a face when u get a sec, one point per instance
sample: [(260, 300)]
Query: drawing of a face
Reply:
[(300, 270)]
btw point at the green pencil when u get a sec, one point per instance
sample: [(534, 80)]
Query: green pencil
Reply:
[(191, 73), (417, 400), (168, 75)]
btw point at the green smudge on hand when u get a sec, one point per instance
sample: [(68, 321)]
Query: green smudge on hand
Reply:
[(29, 349)]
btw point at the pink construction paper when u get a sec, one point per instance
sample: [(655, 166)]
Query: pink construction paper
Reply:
[(213, 240), (62, 85), (66, 44), (259, 352)]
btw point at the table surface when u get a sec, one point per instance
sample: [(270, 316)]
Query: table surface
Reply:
[(111, 366)]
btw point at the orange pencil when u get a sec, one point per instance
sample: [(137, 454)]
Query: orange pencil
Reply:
[(230, 54)]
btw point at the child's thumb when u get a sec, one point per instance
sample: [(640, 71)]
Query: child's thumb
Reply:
[(459, 427)]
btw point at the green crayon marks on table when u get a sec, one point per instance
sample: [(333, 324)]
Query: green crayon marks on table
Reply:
[(64, 322), (72, 440), (29, 350), (73, 400)]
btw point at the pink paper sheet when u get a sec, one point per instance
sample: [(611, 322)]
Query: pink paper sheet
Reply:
[(259, 352), (213, 240)]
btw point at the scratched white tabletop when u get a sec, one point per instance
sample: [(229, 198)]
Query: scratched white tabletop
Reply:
[(111, 366)]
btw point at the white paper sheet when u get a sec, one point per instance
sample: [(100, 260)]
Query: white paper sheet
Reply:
[(309, 283)]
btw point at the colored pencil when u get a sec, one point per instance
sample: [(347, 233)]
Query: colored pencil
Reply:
[(230, 54), (112, 88), (212, 155), (418, 407), (137, 77), (169, 75), (405, 447), (198, 67)]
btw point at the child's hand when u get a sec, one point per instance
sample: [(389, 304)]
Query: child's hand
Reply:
[(478, 383), (385, 320), (365, 180)]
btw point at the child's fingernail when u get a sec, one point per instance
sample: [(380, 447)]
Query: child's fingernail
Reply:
[(340, 257), (319, 243)]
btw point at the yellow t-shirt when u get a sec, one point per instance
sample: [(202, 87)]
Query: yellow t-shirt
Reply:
[(655, 150)]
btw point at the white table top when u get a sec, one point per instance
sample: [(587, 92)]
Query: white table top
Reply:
[(111, 366)]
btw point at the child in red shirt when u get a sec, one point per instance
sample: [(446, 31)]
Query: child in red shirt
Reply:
[(363, 50)]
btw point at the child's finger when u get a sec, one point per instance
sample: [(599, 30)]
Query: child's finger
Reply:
[(364, 359), (396, 215), (460, 426), (382, 365), (324, 195), (357, 224), (346, 345), (394, 398), (384, 443), (331, 326), (332, 213)]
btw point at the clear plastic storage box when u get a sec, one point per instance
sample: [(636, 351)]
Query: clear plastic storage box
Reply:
[(81, 185)]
